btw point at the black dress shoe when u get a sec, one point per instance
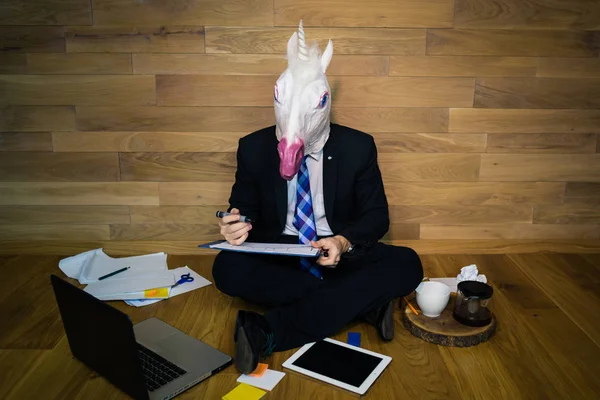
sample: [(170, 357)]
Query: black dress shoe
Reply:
[(382, 319), (253, 341)]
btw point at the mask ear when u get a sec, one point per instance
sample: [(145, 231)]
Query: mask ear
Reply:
[(292, 47), (326, 57)]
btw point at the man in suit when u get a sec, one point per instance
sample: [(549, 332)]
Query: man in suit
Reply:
[(307, 180)]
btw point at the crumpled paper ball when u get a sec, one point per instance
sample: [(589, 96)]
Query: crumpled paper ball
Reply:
[(470, 273)]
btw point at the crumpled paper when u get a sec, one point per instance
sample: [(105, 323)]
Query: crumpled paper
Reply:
[(470, 273)]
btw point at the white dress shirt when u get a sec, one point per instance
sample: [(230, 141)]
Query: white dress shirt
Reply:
[(314, 163)]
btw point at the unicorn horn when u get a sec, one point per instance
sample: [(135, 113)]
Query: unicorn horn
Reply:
[(302, 52)]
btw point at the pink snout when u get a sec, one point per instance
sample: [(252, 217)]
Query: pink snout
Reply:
[(290, 157)]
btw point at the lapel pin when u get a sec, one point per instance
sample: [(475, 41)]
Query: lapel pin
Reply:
[(329, 158)]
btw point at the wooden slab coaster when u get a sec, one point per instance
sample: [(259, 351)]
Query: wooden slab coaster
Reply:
[(445, 330)]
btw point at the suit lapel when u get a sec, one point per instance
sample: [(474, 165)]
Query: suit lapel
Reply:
[(279, 185), (330, 167)]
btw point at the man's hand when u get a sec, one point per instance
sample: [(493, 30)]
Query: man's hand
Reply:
[(334, 246), (233, 231)]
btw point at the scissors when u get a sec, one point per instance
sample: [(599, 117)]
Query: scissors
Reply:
[(184, 278)]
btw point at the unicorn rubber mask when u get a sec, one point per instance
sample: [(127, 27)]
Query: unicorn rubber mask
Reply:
[(302, 103)]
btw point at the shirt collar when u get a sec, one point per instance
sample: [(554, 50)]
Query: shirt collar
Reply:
[(316, 156)]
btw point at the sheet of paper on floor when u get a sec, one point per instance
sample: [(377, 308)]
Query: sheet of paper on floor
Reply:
[(198, 282), (267, 381), (87, 267)]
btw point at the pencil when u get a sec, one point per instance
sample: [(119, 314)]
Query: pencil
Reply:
[(411, 306), (113, 273)]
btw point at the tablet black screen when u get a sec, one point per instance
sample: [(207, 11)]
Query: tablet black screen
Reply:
[(338, 362)]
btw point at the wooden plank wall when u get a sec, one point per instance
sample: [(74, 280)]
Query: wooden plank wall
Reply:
[(119, 120)]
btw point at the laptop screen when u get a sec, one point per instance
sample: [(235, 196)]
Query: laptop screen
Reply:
[(101, 337)]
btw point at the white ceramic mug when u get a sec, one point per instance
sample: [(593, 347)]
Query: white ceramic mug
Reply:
[(432, 298)]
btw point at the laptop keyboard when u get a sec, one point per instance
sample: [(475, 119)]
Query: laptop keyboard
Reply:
[(157, 371)]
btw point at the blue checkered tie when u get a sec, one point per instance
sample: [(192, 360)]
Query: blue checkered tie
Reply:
[(304, 219)]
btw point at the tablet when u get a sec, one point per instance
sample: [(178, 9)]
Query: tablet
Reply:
[(349, 367)]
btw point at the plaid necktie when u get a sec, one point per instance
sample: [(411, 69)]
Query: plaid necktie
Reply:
[(304, 219)]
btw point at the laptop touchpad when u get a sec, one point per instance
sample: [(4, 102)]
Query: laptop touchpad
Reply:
[(178, 349)]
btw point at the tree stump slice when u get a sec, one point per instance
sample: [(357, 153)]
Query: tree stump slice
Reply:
[(445, 330)]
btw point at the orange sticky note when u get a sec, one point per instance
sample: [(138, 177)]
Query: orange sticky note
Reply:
[(259, 371)]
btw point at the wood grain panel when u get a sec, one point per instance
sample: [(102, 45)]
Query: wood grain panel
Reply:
[(91, 167), (461, 66), (31, 119), (213, 90), (160, 167), (32, 39), (192, 12), (572, 292), (86, 215), (177, 119), (207, 232), (568, 67), (345, 40), (77, 90), (78, 193), (567, 214), (12, 141), (111, 39), (474, 193), (429, 143), (57, 232), (381, 13), (249, 64), (429, 167), (537, 93), (459, 214), (540, 167), (547, 43), (194, 193), (175, 214), (147, 141), (16, 363), (524, 121), (527, 14), (393, 119), (575, 190), (43, 63), (45, 12), (28, 308), (514, 231), (402, 232), (563, 343), (562, 143), (13, 63), (402, 92)]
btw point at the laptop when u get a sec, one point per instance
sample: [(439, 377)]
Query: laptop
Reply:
[(148, 360)]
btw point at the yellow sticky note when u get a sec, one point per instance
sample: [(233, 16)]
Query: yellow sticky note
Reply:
[(244, 392), (158, 293)]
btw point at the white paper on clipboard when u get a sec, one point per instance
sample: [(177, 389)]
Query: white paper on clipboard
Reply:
[(299, 250)]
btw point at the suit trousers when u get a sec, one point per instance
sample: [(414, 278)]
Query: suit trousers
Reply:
[(304, 308)]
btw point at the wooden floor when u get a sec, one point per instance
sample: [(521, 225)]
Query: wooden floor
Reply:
[(547, 345)]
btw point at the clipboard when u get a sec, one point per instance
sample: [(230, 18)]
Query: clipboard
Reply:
[(281, 249)]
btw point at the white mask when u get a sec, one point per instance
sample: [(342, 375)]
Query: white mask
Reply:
[(302, 98)]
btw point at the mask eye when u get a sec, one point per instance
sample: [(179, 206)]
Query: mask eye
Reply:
[(276, 94), (323, 100)]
